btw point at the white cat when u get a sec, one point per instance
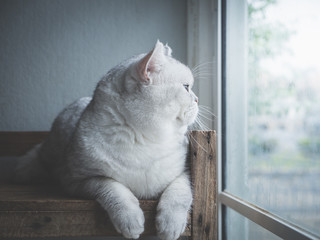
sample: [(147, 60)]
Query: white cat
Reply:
[(126, 143)]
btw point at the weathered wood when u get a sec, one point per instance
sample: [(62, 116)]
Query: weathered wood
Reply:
[(44, 211), (48, 198), (203, 174), (18, 143)]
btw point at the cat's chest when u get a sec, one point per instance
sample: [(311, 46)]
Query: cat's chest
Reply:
[(151, 181), (147, 173)]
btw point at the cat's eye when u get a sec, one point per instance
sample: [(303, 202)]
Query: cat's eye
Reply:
[(186, 86)]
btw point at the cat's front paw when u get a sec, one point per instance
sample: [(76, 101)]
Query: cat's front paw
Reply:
[(170, 223), (129, 221)]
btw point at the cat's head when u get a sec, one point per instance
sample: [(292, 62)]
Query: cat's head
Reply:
[(155, 91)]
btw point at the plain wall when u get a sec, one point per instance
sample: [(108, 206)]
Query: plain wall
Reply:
[(53, 52)]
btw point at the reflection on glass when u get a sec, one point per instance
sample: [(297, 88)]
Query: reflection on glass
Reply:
[(273, 107), (284, 109), (239, 227)]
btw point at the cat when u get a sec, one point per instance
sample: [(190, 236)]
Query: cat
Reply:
[(127, 142)]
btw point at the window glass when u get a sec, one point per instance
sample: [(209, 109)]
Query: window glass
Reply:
[(239, 227), (273, 107)]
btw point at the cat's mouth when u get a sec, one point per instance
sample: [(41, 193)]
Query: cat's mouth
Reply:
[(193, 113), (189, 115)]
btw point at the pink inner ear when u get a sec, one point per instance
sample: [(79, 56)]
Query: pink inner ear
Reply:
[(143, 68), (151, 62)]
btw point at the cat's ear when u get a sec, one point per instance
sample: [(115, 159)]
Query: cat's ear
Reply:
[(167, 50), (152, 63)]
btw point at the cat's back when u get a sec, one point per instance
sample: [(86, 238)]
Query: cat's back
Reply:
[(61, 132), (69, 117)]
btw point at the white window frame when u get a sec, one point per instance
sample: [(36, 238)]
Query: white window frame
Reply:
[(202, 49), (206, 43)]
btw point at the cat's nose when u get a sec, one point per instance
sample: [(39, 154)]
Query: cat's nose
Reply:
[(196, 99)]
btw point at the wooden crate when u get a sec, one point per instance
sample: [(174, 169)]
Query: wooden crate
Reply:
[(44, 211)]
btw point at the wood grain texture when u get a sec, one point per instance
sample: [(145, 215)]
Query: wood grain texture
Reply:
[(44, 211), (203, 175)]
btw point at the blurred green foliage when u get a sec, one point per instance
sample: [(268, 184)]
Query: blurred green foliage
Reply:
[(272, 97), (259, 146), (310, 146), (266, 41)]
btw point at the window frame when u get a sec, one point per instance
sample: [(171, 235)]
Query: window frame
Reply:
[(262, 217), (215, 43)]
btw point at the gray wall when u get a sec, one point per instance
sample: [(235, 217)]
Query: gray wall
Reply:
[(53, 52)]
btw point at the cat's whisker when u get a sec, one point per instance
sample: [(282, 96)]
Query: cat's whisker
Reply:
[(202, 74), (203, 116), (202, 69), (207, 71), (202, 113), (192, 139), (201, 124), (195, 126), (202, 77), (204, 106), (204, 127), (206, 111), (204, 64)]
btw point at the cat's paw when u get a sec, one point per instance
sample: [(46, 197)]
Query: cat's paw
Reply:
[(129, 221), (170, 223)]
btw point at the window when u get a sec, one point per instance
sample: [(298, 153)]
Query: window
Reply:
[(270, 119)]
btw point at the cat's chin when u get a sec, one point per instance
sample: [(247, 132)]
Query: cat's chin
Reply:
[(191, 115)]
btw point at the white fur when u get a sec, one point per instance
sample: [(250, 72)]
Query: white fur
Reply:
[(129, 142)]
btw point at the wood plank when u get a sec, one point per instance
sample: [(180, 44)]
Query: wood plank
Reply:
[(203, 174), (65, 224), (29, 208), (18, 143), (45, 211), (48, 198)]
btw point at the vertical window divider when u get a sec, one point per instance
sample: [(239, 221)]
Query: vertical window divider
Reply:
[(222, 116)]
